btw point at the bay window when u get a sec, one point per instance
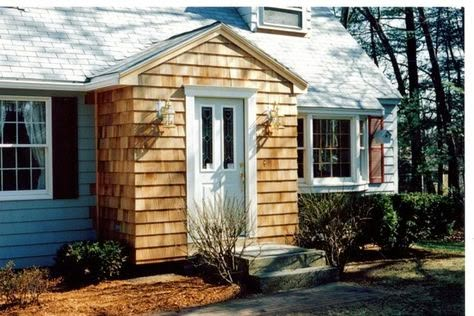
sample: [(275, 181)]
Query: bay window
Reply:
[(332, 150), (25, 148)]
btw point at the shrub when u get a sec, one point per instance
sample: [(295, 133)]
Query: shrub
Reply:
[(87, 261), (24, 286), (425, 216), (215, 229), (383, 223), (333, 222)]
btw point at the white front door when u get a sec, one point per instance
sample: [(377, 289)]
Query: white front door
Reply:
[(218, 136)]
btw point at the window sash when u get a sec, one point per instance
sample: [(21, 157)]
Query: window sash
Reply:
[(22, 194), (301, 152), (298, 14), (331, 148)]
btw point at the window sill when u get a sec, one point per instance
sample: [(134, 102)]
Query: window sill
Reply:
[(281, 30), (348, 186), (25, 196)]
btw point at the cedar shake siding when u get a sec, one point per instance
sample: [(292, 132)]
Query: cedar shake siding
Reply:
[(142, 166)]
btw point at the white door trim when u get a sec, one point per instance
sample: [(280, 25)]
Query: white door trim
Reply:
[(249, 97)]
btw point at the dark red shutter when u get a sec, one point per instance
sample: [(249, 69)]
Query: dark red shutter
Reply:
[(376, 169), (65, 164)]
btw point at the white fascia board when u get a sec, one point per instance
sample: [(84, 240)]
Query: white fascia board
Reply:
[(103, 82), (94, 84), (389, 101), (339, 111)]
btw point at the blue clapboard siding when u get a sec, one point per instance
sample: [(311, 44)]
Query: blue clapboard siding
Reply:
[(31, 231)]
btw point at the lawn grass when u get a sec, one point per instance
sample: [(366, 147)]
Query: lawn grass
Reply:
[(445, 246), (427, 281)]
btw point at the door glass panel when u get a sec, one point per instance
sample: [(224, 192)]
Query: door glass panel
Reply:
[(206, 117), (228, 116)]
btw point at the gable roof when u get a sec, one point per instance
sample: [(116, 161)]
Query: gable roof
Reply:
[(129, 69), (74, 45)]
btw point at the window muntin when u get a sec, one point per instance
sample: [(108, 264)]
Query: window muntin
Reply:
[(25, 147), (228, 118), (291, 17), (331, 148), (300, 148), (206, 137)]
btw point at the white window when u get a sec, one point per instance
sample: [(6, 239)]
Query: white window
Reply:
[(289, 19), (331, 148), (335, 150), (364, 146), (300, 149), (25, 148)]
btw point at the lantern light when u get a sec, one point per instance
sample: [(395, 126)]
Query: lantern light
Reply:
[(274, 118), (166, 113)]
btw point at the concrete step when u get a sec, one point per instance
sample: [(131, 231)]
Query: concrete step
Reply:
[(270, 257), (270, 282)]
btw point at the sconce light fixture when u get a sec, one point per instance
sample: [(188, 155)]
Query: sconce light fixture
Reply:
[(166, 113), (274, 118)]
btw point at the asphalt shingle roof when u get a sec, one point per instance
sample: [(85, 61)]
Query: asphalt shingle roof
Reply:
[(75, 44)]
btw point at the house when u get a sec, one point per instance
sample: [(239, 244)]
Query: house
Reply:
[(113, 120)]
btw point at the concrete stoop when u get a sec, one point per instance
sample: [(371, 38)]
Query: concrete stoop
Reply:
[(273, 268)]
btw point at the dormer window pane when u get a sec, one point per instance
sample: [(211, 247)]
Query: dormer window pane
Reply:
[(283, 17)]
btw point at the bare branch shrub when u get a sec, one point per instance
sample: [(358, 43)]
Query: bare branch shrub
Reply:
[(218, 231), (22, 287)]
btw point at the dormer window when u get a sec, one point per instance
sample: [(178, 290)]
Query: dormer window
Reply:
[(291, 17), (282, 19)]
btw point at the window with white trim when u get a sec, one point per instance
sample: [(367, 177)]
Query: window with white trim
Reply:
[(300, 149), (25, 148), (363, 146), (332, 149), (285, 19)]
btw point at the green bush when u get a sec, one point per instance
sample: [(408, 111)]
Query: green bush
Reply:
[(383, 223), (390, 221), (88, 261), (23, 286), (333, 222), (425, 216)]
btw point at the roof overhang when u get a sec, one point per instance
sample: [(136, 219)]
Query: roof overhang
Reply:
[(332, 111), (130, 76), (96, 83)]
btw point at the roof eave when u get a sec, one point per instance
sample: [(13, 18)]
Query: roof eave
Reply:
[(94, 84)]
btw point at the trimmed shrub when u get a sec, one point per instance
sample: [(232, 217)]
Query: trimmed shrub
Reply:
[(24, 286), (425, 216), (88, 261), (333, 222), (383, 224)]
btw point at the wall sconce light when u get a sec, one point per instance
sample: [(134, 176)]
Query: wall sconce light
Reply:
[(166, 113), (274, 118)]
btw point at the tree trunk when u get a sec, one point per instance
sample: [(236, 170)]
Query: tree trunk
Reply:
[(387, 47), (373, 51), (441, 106), (413, 115), (345, 16)]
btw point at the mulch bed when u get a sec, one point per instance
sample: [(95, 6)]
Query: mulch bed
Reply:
[(127, 298)]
